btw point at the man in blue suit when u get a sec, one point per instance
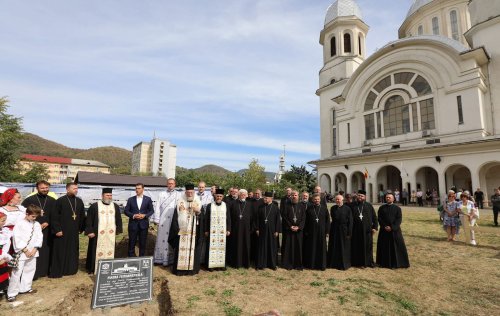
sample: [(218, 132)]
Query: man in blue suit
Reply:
[(138, 209)]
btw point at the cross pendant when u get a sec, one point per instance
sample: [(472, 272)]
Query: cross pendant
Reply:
[(265, 221), (361, 216), (74, 216), (241, 216), (317, 220), (295, 219)]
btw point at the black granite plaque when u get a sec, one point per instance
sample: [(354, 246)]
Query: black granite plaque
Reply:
[(123, 281)]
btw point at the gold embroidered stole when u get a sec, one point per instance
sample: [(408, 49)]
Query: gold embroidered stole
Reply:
[(188, 223), (217, 242), (106, 232)]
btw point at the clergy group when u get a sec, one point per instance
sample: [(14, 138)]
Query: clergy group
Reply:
[(208, 229)]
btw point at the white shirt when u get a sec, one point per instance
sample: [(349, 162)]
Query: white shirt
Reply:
[(139, 201), (14, 216), (21, 237)]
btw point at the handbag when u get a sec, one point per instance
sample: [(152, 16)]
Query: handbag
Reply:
[(14, 263)]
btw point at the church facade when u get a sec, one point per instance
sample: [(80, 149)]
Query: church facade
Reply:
[(421, 112)]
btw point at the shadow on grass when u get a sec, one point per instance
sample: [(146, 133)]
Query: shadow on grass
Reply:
[(456, 243)]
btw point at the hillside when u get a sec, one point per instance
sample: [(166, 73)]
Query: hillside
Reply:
[(213, 169), (119, 159), (269, 175)]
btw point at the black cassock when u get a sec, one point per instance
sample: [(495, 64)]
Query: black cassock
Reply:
[(91, 227), (207, 224), (391, 248), (291, 251), (47, 204), (65, 249), (173, 240), (255, 239), (267, 222), (204, 240), (315, 230), (339, 243), (362, 237), (239, 245)]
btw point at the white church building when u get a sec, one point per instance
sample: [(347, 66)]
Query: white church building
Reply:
[(422, 111)]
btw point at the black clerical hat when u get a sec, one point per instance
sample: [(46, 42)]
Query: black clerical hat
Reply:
[(268, 194), (107, 190), (189, 186), (219, 191), (362, 192)]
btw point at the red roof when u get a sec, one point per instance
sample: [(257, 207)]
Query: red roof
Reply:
[(47, 159)]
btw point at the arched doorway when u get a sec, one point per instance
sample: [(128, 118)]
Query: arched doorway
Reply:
[(389, 178), (357, 181), (340, 182), (325, 182), (458, 176), (489, 179), (427, 179)]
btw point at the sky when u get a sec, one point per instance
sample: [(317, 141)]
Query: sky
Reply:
[(226, 81)]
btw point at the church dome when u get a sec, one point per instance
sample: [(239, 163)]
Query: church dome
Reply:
[(417, 4), (343, 8)]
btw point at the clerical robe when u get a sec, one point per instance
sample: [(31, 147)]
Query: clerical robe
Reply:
[(391, 248), (185, 236), (164, 212), (46, 203), (254, 240), (238, 252), (206, 199), (268, 224), (315, 231), (68, 217), (217, 224), (105, 221), (339, 243), (364, 220), (291, 248)]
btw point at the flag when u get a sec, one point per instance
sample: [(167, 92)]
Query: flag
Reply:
[(366, 173)]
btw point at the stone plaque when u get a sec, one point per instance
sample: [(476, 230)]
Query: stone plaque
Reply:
[(123, 281)]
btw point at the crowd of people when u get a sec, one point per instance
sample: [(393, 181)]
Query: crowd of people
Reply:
[(39, 236)]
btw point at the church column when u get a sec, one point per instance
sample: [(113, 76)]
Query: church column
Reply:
[(443, 190)]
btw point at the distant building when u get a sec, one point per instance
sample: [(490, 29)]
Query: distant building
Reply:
[(62, 169), (422, 111), (281, 171), (157, 157)]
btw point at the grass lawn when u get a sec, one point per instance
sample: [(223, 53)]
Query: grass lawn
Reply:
[(444, 279)]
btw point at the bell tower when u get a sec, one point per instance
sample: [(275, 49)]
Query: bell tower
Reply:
[(343, 39)]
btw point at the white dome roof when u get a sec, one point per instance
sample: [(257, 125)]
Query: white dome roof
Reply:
[(417, 4), (343, 8)]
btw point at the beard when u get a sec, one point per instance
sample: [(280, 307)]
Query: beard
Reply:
[(107, 201), (189, 198)]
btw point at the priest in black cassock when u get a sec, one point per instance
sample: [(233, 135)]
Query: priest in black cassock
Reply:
[(217, 229), (391, 248), (294, 221), (102, 224), (339, 244), (67, 222), (286, 199), (267, 228), (238, 252), (364, 227), (257, 201), (315, 233), (186, 233), (46, 203)]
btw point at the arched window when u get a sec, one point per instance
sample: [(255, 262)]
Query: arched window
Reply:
[(400, 113), (454, 25), (359, 45), (420, 30), (347, 43), (333, 47), (435, 26)]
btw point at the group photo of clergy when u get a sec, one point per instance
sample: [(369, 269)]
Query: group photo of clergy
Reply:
[(209, 229)]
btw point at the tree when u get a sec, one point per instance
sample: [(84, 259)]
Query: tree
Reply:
[(254, 177), (36, 173), (300, 178), (10, 135)]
